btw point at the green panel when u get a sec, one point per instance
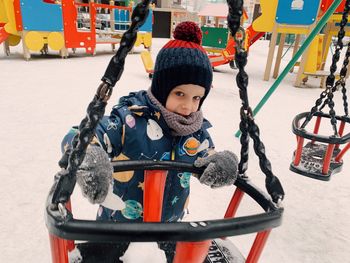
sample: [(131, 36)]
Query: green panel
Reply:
[(214, 37)]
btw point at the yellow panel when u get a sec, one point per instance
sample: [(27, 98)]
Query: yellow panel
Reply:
[(312, 59), (147, 60), (139, 39), (147, 39), (3, 16), (13, 40), (293, 30), (10, 26), (55, 40), (266, 21), (34, 40)]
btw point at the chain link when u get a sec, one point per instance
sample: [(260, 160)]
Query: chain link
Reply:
[(72, 158)]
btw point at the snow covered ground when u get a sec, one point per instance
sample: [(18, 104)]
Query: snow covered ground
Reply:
[(42, 98)]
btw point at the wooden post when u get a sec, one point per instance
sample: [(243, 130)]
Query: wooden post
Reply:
[(295, 48), (26, 52), (304, 58), (271, 53), (279, 55)]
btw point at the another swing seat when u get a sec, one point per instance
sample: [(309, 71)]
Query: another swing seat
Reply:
[(311, 162), (321, 157)]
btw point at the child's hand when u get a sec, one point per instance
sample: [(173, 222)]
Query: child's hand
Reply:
[(221, 169), (95, 174)]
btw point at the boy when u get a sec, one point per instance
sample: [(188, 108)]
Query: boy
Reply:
[(162, 123)]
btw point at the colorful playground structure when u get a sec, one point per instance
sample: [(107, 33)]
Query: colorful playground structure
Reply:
[(216, 40), (60, 25), (293, 17)]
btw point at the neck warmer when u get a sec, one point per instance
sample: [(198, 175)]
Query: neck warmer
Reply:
[(179, 125)]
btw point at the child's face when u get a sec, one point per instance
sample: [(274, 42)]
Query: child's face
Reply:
[(184, 99)]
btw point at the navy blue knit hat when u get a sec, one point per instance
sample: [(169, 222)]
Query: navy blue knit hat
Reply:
[(182, 61)]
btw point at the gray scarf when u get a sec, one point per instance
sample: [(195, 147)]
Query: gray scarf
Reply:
[(179, 125)]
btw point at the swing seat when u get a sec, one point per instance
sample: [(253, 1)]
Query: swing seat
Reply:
[(311, 162), (222, 250), (321, 156), (195, 241)]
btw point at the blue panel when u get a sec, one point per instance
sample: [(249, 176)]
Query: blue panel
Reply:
[(122, 20), (116, 19), (40, 16), (147, 26), (297, 12), (128, 18)]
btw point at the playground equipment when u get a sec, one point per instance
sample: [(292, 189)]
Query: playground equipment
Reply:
[(60, 25), (194, 237), (323, 21), (217, 40), (285, 17), (322, 156)]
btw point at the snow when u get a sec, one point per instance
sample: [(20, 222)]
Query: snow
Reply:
[(40, 100)]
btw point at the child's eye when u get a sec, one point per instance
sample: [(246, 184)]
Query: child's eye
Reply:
[(197, 98), (179, 93)]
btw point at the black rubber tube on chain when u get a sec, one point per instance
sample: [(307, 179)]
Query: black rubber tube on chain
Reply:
[(116, 64), (71, 160), (247, 125)]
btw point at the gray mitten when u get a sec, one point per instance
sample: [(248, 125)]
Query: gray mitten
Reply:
[(221, 169), (95, 174)]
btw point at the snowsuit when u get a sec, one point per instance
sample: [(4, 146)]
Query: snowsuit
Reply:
[(136, 130)]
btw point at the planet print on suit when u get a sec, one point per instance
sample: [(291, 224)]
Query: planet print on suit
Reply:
[(184, 179), (130, 121), (154, 131), (132, 210), (191, 146)]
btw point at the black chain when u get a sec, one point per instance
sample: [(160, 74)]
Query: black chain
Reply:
[(341, 83), (72, 159), (247, 124), (343, 74), (330, 86)]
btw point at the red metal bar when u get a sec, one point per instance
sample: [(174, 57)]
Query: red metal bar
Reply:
[(340, 155), (299, 150), (128, 8), (258, 246), (341, 131), (18, 14), (59, 246), (59, 251), (69, 243), (234, 203), (317, 127), (191, 252), (327, 158), (153, 195)]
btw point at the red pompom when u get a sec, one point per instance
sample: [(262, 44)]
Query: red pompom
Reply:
[(188, 31)]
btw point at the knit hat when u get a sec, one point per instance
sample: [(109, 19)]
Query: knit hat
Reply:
[(182, 61)]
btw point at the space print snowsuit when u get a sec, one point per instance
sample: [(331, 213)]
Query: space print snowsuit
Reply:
[(136, 130)]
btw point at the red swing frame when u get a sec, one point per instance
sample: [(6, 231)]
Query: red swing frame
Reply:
[(189, 252), (332, 141)]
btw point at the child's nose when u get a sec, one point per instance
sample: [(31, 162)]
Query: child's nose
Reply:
[(186, 105)]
